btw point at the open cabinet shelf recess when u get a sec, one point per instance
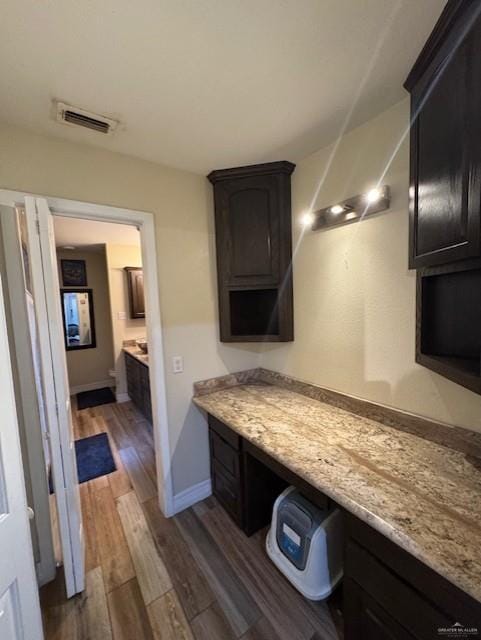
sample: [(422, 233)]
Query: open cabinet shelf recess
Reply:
[(449, 322)]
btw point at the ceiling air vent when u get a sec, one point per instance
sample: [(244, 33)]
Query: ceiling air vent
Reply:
[(75, 117)]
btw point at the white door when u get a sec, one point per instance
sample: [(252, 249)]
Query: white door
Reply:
[(20, 617), (46, 291)]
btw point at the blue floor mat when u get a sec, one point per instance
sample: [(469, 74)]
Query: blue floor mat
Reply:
[(95, 398), (94, 458)]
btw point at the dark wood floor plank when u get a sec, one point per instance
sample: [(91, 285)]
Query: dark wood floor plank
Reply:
[(142, 482), (237, 603), (190, 584), (167, 618), (152, 575), (129, 416), (84, 617), (211, 624), (92, 558), (119, 480), (262, 630), (111, 543), (117, 430), (128, 613), (289, 613)]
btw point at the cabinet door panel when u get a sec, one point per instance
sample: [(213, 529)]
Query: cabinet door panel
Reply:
[(251, 231), (226, 489), (445, 185), (224, 454), (135, 282), (366, 620)]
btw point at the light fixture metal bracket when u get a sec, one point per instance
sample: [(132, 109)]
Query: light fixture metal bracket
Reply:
[(354, 209)]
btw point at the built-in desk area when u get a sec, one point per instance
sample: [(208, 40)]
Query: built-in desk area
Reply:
[(411, 505)]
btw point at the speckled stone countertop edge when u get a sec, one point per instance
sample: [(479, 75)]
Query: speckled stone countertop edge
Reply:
[(135, 352), (341, 499), (458, 438)]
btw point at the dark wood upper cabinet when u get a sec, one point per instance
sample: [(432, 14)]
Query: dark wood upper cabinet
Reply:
[(254, 247), (445, 195), (135, 285), (445, 159)]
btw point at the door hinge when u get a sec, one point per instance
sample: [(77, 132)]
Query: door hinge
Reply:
[(37, 226), (56, 408)]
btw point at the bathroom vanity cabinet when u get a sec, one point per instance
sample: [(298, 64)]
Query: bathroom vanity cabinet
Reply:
[(138, 385)]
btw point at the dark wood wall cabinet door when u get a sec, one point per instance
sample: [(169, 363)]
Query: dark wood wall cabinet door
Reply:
[(445, 174), (254, 247), (135, 287)]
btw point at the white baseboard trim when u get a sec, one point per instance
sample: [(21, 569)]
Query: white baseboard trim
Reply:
[(122, 397), (91, 386), (190, 496)]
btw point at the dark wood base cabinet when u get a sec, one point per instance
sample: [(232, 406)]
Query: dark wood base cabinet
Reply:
[(388, 594), (138, 385), (244, 487)]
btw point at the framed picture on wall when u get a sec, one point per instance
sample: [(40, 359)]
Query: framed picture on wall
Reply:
[(74, 273)]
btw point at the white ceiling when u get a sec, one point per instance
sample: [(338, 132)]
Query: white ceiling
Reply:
[(204, 84), (89, 235)]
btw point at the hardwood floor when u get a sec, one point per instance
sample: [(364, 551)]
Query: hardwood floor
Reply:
[(191, 577)]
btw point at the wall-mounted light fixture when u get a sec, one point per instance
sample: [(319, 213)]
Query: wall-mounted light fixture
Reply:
[(349, 210)]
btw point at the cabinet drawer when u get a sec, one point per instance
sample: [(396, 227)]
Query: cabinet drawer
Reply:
[(403, 602), (223, 453), (438, 592), (366, 620), (231, 437), (227, 491)]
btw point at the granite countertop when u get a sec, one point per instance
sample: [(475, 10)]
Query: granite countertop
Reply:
[(134, 350), (424, 496)]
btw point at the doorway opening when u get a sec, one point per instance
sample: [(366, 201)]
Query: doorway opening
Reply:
[(95, 308)]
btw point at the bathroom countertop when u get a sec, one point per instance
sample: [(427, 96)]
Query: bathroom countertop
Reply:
[(422, 495), (137, 353)]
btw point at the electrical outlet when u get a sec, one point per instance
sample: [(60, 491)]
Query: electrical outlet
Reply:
[(122, 315), (177, 364)]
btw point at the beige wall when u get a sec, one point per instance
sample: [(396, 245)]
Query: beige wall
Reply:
[(354, 295), (182, 206), (118, 257), (89, 366)]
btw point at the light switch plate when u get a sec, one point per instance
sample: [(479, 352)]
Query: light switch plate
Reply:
[(177, 364)]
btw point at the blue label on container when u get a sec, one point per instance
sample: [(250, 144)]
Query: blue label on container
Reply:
[(290, 548)]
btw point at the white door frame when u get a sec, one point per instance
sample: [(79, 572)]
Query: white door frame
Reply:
[(144, 221)]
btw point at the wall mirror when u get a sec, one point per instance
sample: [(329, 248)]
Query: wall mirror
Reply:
[(78, 318)]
